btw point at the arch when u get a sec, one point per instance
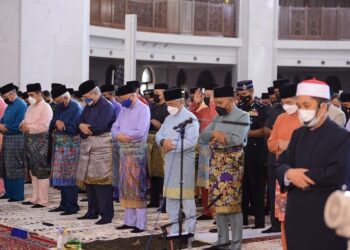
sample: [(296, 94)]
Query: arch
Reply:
[(228, 79), (205, 78), (147, 75), (334, 83), (110, 74), (181, 78)]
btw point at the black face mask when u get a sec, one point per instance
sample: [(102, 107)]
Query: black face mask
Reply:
[(48, 101), (207, 100), (7, 101), (246, 99), (221, 111), (345, 109), (156, 98)]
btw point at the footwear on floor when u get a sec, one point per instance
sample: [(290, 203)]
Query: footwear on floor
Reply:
[(271, 230), (3, 197), (258, 227), (87, 217), (84, 200), (205, 217), (38, 206), (27, 203), (213, 230), (102, 222), (57, 209), (68, 213), (137, 230), (125, 227)]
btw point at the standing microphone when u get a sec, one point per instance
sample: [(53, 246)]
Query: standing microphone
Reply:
[(184, 123)]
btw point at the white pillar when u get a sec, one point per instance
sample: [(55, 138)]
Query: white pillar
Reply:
[(258, 30), (9, 41), (130, 48), (54, 42)]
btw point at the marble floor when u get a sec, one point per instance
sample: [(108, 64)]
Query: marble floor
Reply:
[(15, 214)]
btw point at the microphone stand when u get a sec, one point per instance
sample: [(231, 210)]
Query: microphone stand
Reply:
[(181, 130)]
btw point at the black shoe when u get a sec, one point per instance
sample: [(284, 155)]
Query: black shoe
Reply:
[(205, 217), (213, 230), (38, 206), (125, 227), (57, 209), (137, 230), (27, 203), (3, 197), (271, 230), (102, 222), (258, 227), (68, 213), (87, 217), (84, 200), (214, 223)]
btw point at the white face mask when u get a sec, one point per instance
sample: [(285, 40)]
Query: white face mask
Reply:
[(308, 117), (290, 109), (31, 100), (172, 110)]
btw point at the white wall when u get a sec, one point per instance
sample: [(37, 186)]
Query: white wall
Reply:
[(9, 41), (54, 41)]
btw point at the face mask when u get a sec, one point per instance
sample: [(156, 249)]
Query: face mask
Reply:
[(31, 100), (172, 110), (126, 103), (47, 101), (207, 100), (89, 101), (221, 111), (246, 99), (290, 109), (308, 117), (7, 101), (156, 98)]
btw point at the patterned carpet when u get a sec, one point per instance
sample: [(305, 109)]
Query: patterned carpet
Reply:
[(15, 214)]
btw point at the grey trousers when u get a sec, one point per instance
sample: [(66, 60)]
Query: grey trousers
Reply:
[(236, 222), (172, 209)]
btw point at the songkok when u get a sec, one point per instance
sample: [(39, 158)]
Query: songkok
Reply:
[(161, 86), (271, 90), (279, 82), (265, 96), (314, 88), (206, 85), (70, 91), (58, 91), (87, 86), (135, 84), (345, 97), (226, 91), (55, 85), (244, 85), (126, 89), (288, 90), (77, 94), (33, 87), (172, 94), (7, 88), (25, 96), (107, 88), (148, 92), (193, 90)]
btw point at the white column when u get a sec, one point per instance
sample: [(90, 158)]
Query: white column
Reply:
[(258, 30), (54, 45), (130, 48), (9, 41)]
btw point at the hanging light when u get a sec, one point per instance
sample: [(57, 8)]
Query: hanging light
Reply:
[(227, 1)]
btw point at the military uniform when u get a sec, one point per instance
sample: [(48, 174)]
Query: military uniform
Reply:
[(254, 179)]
